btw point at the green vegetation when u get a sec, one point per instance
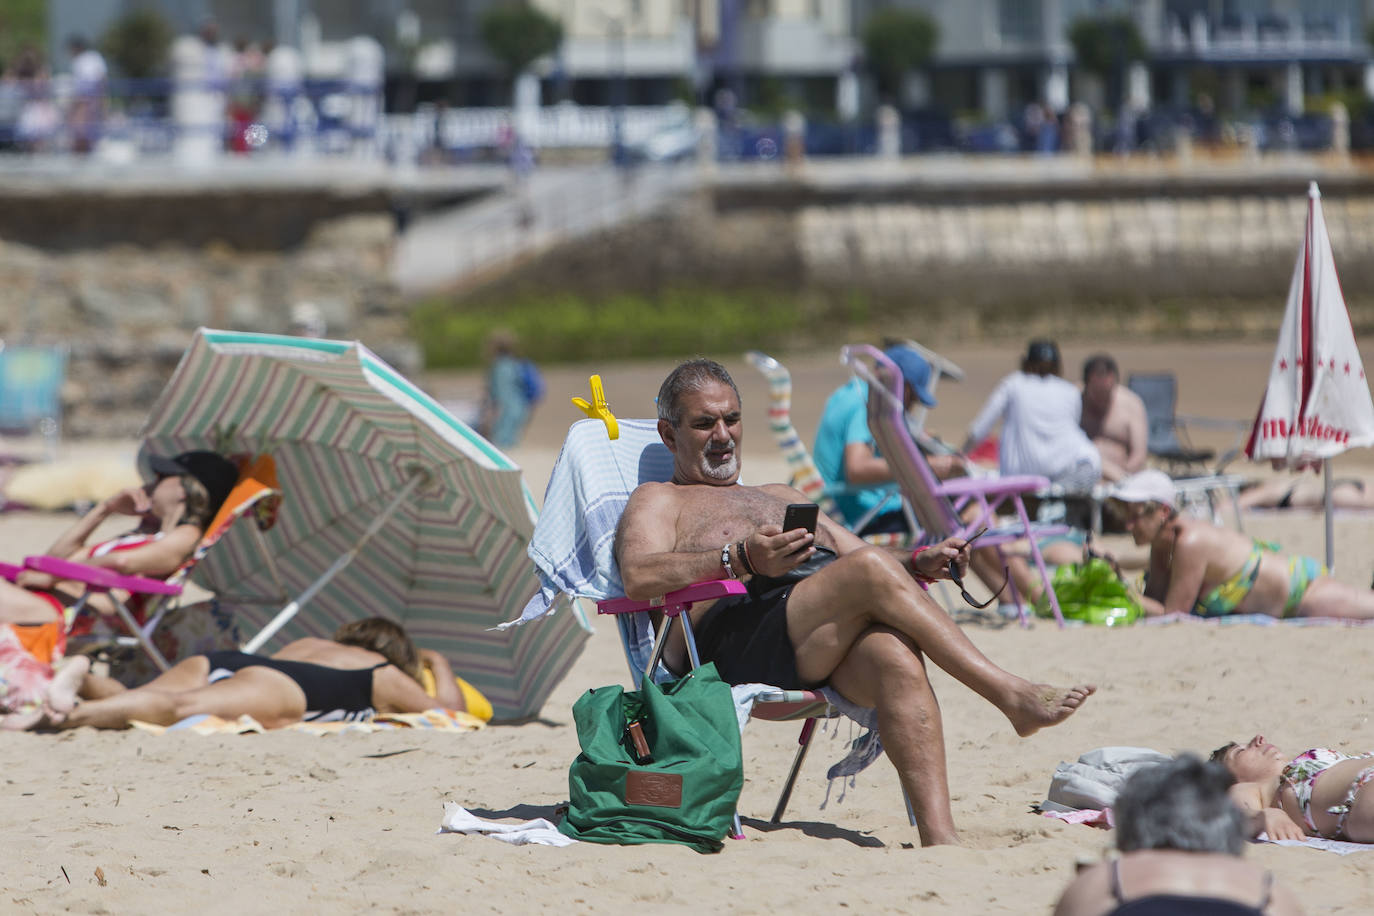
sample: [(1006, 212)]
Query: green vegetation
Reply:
[(23, 23), (137, 43), (1104, 44), (518, 34), (896, 41), (572, 328)]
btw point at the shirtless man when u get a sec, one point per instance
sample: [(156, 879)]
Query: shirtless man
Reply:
[(1114, 418), (859, 621), (1197, 567)]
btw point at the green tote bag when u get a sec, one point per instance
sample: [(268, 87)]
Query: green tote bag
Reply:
[(661, 764)]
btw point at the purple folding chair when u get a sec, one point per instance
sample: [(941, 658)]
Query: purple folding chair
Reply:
[(940, 505)]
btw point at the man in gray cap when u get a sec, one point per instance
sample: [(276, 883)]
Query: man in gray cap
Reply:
[(845, 456)]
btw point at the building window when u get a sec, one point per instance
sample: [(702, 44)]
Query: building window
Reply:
[(1018, 21)]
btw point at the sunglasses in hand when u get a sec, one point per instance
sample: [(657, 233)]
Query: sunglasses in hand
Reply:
[(958, 580)]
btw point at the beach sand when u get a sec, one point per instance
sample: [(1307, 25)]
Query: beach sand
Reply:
[(128, 822)]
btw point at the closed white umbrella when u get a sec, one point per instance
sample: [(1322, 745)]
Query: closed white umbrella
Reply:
[(1317, 404)]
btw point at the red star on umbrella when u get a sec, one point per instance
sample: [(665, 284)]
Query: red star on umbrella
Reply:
[(1283, 364), (1347, 368)]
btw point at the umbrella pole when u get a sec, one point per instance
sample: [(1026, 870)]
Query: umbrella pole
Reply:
[(1330, 523), (286, 613)]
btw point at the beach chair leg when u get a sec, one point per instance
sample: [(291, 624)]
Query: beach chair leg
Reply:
[(803, 744), (144, 639), (910, 812), (1039, 565)]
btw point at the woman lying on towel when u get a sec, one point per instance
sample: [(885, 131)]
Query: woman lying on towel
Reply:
[(1317, 793), (173, 511), (369, 667), (1198, 567), (1181, 839)]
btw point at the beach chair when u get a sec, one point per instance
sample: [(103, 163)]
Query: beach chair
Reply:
[(572, 550), (940, 505), (801, 467), (1198, 480), (31, 392), (256, 492)]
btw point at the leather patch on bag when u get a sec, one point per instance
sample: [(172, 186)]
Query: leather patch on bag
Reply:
[(658, 790)]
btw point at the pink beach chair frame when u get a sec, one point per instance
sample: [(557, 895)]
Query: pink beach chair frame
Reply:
[(938, 504)]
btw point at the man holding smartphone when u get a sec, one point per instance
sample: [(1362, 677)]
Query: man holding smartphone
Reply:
[(822, 606)]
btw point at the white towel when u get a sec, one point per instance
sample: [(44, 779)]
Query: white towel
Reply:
[(538, 832)]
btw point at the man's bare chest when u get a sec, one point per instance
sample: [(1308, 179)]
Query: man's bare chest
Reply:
[(711, 516)]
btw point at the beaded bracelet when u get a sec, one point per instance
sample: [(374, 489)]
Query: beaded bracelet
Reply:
[(725, 562)]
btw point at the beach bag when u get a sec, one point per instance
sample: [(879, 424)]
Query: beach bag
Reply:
[(1091, 592), (531, 382), (661, 764)]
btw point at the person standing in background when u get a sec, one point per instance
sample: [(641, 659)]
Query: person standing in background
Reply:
[(88, 94), (506, 406)]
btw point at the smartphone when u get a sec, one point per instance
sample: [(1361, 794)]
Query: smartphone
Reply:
[(801, 515)]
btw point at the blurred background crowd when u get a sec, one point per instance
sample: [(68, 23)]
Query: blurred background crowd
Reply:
[(432, 81)]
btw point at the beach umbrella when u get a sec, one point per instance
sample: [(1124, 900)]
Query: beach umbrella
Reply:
[(1317, 404), (391, 507)]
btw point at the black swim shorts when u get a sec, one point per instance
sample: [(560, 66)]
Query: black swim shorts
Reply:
[(746, 635)]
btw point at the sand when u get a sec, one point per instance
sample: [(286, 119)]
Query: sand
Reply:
[(128, 822)]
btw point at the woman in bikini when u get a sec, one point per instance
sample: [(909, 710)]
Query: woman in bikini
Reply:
[(1181, 840), (1318, 793), (370, 666), (36, 611), (1197, 567)]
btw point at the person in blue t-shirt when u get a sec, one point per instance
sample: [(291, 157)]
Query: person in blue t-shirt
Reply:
[(847, 460)]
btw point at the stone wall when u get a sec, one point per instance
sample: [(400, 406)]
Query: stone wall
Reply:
[(127, 312), (1071, 259)]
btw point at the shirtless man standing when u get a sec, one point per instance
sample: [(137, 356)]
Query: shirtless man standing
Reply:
[(1114, 418), (822, 609)]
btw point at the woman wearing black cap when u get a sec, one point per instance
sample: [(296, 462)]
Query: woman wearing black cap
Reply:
[(173, 511)]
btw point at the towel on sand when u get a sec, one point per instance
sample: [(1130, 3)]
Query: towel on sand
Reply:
[(438, 719)]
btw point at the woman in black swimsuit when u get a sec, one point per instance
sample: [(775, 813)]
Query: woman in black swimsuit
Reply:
[(370, 666)]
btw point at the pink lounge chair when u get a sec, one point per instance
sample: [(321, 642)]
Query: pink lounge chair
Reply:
[(256, 492), (938, 504)]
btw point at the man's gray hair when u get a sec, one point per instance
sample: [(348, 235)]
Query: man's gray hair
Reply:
[(690, 376), (1180, 805)]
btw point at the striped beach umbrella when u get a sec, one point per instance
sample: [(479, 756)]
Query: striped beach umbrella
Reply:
[(391, 507)]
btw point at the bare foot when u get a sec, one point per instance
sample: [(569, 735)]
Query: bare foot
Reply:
[(61, 696), (20, 721), (1041, 705)]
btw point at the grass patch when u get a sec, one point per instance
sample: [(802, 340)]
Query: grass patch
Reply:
[(575, 328)]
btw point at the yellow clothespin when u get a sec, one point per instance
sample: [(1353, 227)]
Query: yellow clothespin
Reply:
[(597, 409)]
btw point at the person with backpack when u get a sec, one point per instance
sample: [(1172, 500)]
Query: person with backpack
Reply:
[(514, 386)]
